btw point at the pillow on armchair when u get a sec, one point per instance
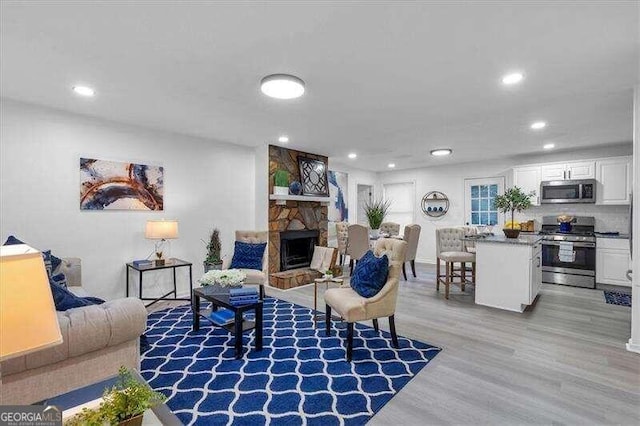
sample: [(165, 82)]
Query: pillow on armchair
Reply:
[(248, 255), (370, 274)]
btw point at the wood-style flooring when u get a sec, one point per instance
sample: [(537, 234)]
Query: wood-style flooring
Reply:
[(562, 361)]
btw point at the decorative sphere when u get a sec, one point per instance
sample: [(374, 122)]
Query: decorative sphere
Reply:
[(295, 188)]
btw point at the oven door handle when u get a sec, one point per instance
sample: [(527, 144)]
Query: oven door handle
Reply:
[(555, 243)]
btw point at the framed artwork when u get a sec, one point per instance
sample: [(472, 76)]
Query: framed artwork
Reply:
[(113, 185), (338, 188), (313, 174)]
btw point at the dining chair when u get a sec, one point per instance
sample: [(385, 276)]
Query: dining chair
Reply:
[(390, 228), (411, 237), (357, 243), (450, 250), (352, 307), (342, 234)]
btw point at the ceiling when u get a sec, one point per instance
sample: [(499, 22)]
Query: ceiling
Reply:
[(387, 80)]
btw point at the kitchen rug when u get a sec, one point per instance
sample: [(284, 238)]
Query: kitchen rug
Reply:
[(617, 298)]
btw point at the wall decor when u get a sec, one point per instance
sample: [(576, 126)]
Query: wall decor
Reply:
[(435, 204), (313, 174), (338, 192), (113, 185)]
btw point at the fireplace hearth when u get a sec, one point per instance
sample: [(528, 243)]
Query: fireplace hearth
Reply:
[(296, 248)]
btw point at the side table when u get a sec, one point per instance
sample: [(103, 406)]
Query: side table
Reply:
[(337, 280), (172, 264)]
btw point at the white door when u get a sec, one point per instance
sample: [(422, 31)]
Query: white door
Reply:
[(528, 179), (581, 170), (554, 172), (614, 181), (365, 194), (479, 207)]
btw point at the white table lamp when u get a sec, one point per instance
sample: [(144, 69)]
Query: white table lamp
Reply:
[(161, 230)]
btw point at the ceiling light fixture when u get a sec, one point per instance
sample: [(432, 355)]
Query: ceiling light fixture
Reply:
[(84, 91), (282, 86), (441, 152), (548, 146), (283, 139), (391, 165), (352, 155), (512, 78), (538, 125)]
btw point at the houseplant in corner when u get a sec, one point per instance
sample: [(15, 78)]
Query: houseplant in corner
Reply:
[(376, 211), (214, 247), (281, 182), (123, 404), (514, 199)]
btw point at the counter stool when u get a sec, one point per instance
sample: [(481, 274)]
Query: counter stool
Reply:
[(450, 250)]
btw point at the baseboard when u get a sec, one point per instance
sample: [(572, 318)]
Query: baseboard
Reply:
[(633, 347)]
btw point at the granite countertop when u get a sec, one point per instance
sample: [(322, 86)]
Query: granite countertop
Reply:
[(616, 236), (526, 240)]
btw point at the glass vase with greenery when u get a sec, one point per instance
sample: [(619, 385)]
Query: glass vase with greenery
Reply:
[(214, 249), (514, 199), (121, 404), (376, 211)]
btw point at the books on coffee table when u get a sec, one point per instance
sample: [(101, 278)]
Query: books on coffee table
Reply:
[(222, 317)]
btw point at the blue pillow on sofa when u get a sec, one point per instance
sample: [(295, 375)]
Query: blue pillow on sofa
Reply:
[(248, 256), (370, 274), (64, 299)]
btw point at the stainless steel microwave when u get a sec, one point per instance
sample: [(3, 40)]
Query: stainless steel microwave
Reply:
[(568, 191)]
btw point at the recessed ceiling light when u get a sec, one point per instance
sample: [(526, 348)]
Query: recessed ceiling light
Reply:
[(84, 91), (283, 139), (537, 125), (282, 86), (352, 155), (441, 152), (512, 78), (548, 146), (391, 165)]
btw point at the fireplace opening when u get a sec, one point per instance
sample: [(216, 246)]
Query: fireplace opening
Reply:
[(296, 248)]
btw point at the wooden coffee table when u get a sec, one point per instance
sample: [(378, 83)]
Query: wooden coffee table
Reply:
[(220, 299)]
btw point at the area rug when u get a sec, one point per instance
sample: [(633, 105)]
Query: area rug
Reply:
[(300, 377), (617, 298)]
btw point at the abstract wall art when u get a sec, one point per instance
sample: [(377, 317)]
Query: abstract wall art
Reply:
[(338, 188), (113, 185)]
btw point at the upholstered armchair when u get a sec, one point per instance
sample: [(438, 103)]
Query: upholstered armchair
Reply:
[(357, 243), (390, 228), (342, 234), (411, 237), (352, 307), (450, 249), (254, 277)]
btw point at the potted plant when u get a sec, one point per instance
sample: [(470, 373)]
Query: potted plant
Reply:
[(514, 199), (281, 182), (214, 247), (123, 404), (376, 211)]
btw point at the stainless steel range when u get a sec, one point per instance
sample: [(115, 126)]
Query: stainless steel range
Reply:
[(569, 258)]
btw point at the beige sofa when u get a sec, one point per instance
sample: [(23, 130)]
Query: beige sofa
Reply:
[(97, 340)]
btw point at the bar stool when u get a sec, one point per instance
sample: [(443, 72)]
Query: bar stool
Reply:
[(450, 250)]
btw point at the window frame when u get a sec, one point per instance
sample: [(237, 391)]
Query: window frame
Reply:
[(468, 183)]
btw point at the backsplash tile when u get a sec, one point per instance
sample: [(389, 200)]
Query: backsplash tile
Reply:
[(608, 218)]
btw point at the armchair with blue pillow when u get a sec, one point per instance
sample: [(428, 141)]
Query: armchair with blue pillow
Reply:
[(98, 338), (250, 256)]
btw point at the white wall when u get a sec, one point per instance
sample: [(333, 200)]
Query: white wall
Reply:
[(634, 341), (207, 184), (449, 179), (261, 170)]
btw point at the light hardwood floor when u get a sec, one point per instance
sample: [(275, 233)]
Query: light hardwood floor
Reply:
[(563, 361)]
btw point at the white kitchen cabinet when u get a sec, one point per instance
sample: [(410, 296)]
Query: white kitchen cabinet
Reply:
[(612, 261), (614, 177), (572, 170), (528, 179), (553, 172)]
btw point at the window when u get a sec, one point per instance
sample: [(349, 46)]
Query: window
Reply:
[(402, 198), (480, 197)]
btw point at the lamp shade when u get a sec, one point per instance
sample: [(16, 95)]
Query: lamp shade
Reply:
[(161, 229), (28, 320)]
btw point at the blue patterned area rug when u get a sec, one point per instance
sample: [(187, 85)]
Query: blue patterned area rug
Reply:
[(617, 298), (300, 377)]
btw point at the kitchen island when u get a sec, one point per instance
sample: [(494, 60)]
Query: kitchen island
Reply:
[(508, 271)]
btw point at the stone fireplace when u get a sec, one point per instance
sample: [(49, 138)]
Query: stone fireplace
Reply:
[(296, 248)]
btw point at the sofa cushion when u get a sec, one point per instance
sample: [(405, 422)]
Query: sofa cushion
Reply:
[(370, 274), (253, 276), (248, 255), (64, 299)]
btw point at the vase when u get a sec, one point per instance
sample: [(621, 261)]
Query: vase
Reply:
[(281, 190), (209, 266), (511, 233), (375, 233)]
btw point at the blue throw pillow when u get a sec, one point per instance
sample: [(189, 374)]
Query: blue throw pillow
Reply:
[(12, 241), (51, 262), (59, 279), (248, 256), (370, 274), (64, 299)]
